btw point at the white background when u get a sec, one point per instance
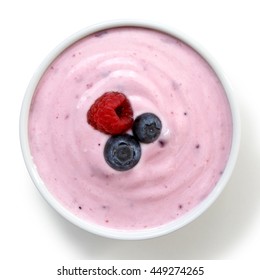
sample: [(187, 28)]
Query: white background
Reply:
[(31, 229)]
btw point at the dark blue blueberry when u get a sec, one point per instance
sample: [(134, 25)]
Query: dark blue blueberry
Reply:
[(147, 127), (122, 152)]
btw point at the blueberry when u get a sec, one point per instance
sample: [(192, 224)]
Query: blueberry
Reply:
[(147, 127), (122, 152)]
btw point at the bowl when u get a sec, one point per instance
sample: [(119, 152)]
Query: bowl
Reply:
[(90, 226)]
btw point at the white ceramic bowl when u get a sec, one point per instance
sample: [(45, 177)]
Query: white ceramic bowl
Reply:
[(105, 231)]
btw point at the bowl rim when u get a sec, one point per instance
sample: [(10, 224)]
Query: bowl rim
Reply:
[(111, 232)]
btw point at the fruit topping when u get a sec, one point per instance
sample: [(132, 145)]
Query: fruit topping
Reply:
[(147, 127), (122, 152), (111, 113)]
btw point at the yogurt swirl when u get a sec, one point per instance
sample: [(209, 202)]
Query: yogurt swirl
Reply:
[(158, 73)]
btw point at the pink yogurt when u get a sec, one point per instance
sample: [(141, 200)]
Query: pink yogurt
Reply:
[(159, 74)]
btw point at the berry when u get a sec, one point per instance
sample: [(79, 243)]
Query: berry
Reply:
[(122, 152), (147, 127), (111, 113)]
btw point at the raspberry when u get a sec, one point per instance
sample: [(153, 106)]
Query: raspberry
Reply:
[(111, 113)]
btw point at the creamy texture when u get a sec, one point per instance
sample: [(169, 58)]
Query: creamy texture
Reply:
[(159, 74)]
